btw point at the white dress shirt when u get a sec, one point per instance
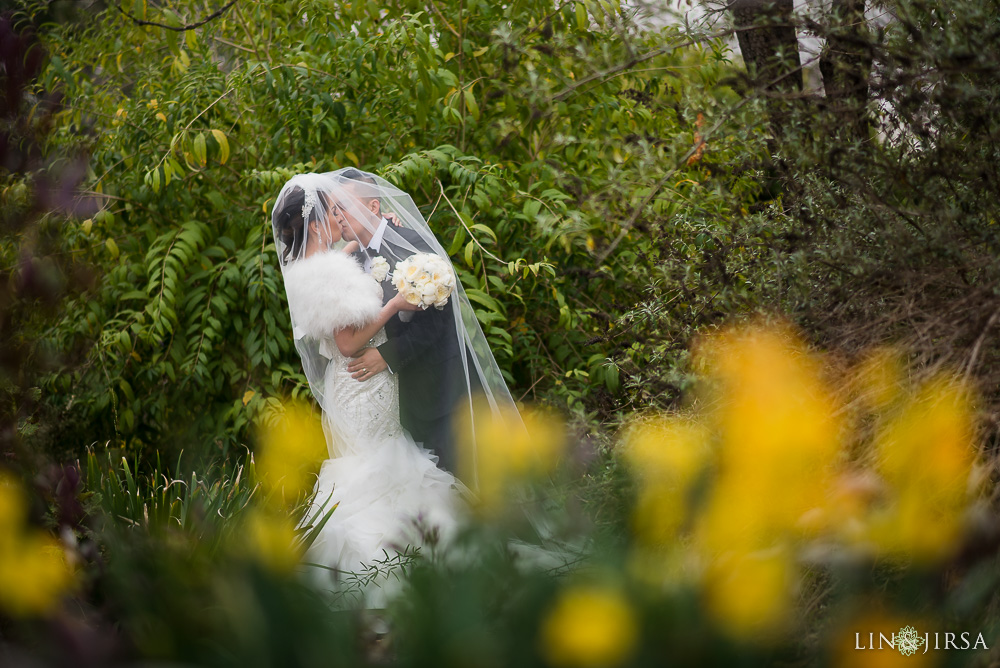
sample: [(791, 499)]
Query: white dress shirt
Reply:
[(375, 244)]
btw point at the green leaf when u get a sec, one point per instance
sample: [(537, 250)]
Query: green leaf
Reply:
[(486, 230), (175, 166), (217, 200), (470, 103), (481, 297), (531, 208), (200, 152), (457, 242)]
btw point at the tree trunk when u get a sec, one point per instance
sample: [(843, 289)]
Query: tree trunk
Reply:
[(770, 48), (846, 64), (770, 51)]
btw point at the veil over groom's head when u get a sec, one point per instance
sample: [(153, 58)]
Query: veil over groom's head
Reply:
[(356, 204)]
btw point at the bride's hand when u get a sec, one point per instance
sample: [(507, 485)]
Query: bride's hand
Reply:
[(400, 304), (352, 247)]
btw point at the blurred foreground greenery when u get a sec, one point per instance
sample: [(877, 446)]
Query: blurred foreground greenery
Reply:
[(789, 512)]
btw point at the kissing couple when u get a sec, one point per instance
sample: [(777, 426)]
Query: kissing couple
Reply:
[(395, 358)]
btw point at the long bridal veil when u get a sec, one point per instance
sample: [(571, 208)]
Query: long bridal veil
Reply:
[(332, 196)]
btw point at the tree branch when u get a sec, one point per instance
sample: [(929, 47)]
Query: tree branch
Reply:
[(191, 26)]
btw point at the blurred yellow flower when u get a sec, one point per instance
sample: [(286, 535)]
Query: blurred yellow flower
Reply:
[(666, 449), (589, 627), (665, 455), (778, 445), (751, 594), (272, 540), (12, 506), (779, 439), (659, 515), (291, 448), (34, 571), (505, 453), (878, 379), (926, 454)]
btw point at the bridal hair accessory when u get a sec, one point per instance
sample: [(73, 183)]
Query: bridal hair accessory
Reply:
[(311, 199), (424, 279), (380, 268)]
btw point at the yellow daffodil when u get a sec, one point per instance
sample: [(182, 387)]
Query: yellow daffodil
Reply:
[(34, 572), (271, 540), (589, 627), (506, 451), (665, 455), (751, 593), (926, 454), (779, 439), (291, 447)]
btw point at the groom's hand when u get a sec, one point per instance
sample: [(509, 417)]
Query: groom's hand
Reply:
[(366, 364)]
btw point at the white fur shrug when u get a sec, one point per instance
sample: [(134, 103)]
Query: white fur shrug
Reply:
[(329, 291)]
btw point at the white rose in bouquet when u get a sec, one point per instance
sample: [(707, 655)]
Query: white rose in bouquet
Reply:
[(380, 268), (424, 279), (441, 294)]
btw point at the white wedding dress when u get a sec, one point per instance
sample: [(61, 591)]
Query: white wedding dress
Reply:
[(388, 492)]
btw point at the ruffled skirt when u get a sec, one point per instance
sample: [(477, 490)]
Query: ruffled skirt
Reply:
[(389, 497)]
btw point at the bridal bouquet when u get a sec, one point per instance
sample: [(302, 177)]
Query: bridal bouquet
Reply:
[(424, 279)]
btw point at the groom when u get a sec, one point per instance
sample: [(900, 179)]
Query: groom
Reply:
[(424, 352)]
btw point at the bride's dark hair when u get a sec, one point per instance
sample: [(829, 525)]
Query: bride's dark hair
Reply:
[(288, 223)]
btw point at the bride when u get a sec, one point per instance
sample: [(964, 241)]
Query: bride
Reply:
[(393, 380)]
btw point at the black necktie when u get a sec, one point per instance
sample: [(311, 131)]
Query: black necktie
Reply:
[(360, 254)]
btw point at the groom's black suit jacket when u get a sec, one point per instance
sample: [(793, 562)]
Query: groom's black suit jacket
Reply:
[(426, 355)]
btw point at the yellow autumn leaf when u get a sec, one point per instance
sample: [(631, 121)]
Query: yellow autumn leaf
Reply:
[(220, 138)]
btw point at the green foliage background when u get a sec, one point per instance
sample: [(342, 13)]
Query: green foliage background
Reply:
[(556, 177)]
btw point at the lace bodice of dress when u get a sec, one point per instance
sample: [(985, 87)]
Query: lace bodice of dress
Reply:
[(363, 413)]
